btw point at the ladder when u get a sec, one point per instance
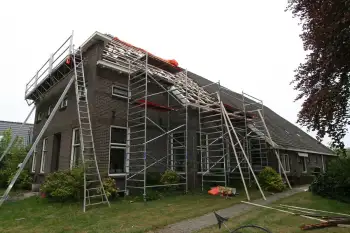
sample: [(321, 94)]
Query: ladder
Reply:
[(94, 192), (211, 147), (235, 138)]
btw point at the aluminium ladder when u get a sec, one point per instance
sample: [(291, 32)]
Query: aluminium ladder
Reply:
[(94, 192)]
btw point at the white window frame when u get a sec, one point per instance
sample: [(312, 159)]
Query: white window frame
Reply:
[(119, 146), (121, 88), (39, 116), (200, 147), (74, 145), (304, 163), (43, 155), (323, 168), (49, 110), (285, 161), (64, 102), (34, 160)]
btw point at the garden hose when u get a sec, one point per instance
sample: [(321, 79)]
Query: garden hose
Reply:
[(251, 226)]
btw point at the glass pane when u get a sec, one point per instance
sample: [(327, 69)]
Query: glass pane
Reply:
[(304, 164), (76, 136), (45, 144), (120, 91), (76, 156), (118, 135), (117, 161)]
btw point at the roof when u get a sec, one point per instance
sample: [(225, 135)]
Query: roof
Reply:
[(26, 131), (117, 54), (287, 135)]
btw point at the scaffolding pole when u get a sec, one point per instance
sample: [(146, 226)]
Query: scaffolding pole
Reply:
[(276, 153), (234, 152)]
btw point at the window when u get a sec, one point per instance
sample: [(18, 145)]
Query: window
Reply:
[(118, 151), (43, 156), (39, 117), (177, 151), (75, 158), (49, 111), (304, 162), (120, 91), (285, 162), (34, 160), (202, 152), (316, 160), (64, 102)]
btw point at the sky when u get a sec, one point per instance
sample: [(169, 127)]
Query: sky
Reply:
[(251, 46)]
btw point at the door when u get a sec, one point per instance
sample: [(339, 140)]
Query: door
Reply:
[(56, 152)]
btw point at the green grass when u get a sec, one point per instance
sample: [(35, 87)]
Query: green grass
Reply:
[(39, 216), (281, 222)]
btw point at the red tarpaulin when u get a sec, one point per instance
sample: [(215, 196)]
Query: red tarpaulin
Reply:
[(154, 105), (172, 62)]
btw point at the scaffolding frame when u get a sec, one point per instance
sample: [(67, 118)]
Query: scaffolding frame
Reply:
[(139, 121), (211, 139)]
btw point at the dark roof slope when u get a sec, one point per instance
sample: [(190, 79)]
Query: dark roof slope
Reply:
[(284, 133), (26, 131)]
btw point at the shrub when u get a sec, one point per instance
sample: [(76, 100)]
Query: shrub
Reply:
[(170, 177), (335, 182), (270, 180), (110, 187), (68, 185), (61, 186), (24, 181)]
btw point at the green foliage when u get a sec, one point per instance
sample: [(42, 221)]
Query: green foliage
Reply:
[(68, 185), (153, 195), (170, 177), (342, 152), (24, 181), (62, 186), (110, 187), (323, 78), (12, 159), (270, 180), (335, 182)]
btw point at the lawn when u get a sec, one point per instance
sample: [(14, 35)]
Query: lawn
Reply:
[(281, 222), (38, 215)]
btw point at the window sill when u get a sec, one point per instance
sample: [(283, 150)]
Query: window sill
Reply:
[(120, 96), (117, 175)]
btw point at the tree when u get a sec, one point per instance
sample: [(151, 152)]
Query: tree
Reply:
[(323, 79), (9, 164)]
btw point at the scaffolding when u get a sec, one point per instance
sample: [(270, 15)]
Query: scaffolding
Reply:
[(232, 141)]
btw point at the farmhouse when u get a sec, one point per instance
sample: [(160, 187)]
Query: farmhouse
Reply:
[(140, 115)]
